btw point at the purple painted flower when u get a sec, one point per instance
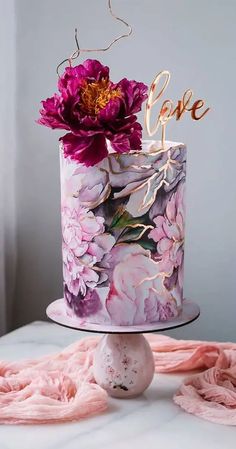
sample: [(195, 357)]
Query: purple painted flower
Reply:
[(89, 184), (84, 245), (83, 306), (94, 109)]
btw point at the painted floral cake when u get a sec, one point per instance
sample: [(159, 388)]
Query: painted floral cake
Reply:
[(123, 236), (122, 202)]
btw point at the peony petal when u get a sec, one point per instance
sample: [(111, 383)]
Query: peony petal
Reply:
[(134, 94), (111, 110), (73, 77), (88, 150), (52, 113), (92, 69), (129, 139), (117, 122), (121, 144)]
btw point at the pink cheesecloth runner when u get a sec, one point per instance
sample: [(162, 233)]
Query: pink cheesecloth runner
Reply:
[(61, 387)]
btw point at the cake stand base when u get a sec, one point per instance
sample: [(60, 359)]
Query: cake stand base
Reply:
[(123, 360), (123, 364)]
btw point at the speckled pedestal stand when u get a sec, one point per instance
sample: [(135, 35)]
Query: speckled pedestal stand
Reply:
[(123, 359)]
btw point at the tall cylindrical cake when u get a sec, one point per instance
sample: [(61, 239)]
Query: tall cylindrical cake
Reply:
[(123, 235)]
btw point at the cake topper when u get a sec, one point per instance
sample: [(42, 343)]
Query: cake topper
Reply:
[(168, 109), (94, 110)]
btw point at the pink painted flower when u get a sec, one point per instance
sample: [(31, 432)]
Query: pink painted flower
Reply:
[(169, 235), (84, 245), (94, 109), (137, 294), (91, 185)]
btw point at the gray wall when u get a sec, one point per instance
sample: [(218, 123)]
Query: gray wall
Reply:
[(7, 161), (196, 42)]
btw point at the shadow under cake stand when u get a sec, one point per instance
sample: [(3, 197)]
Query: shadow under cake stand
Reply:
[(123, 360)]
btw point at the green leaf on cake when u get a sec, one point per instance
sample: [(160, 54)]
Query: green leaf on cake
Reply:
[(133, 232), (148, 244), (122, 219)]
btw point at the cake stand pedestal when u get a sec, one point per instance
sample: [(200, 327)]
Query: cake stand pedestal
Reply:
[(123, 359)]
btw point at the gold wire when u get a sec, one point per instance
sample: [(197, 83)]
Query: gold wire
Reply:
[(168, 110), (79, 50)]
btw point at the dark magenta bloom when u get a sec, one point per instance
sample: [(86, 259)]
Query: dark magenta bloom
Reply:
[(83, 306), (93, 110)]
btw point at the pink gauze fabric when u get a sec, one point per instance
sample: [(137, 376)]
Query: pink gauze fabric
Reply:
[(61, 387), (210, 394)]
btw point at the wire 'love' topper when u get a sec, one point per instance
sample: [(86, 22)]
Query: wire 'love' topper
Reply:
[(168, 109), (100, 115)]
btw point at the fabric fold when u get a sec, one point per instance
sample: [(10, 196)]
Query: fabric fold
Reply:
[(61, 387)]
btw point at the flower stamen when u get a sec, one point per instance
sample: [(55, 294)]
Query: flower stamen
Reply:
[(96, 95)]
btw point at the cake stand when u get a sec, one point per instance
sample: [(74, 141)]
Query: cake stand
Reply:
[(123, 360)]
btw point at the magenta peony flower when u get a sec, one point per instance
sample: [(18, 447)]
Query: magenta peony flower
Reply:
[(94, 109)]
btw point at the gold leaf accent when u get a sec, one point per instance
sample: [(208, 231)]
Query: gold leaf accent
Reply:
[(139, 225)]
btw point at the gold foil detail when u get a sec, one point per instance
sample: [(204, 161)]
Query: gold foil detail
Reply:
[(138, 225)]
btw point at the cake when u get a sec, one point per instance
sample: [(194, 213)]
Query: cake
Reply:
[(122, 202), (123, 235)]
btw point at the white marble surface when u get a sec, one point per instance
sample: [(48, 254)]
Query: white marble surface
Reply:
[(151, 421)]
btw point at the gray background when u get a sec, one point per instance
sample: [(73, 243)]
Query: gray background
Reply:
[(196, 42)]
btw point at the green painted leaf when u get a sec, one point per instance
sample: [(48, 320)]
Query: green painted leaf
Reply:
[(134, 233), (122, 219), (148, 244)]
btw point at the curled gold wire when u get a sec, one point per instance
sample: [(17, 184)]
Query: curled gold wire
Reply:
[(79, 50)]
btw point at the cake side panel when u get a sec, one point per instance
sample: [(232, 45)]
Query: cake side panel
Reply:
[(123, 237), (84, 241)]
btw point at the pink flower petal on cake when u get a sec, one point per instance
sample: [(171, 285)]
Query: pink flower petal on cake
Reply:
[(91, 227), (157, 233), (171, 230), (163, 245), (81, 251), (159, 220), (135, 279), (105, 242)]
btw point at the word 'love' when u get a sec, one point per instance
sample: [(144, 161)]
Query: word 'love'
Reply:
[(168, 109)]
